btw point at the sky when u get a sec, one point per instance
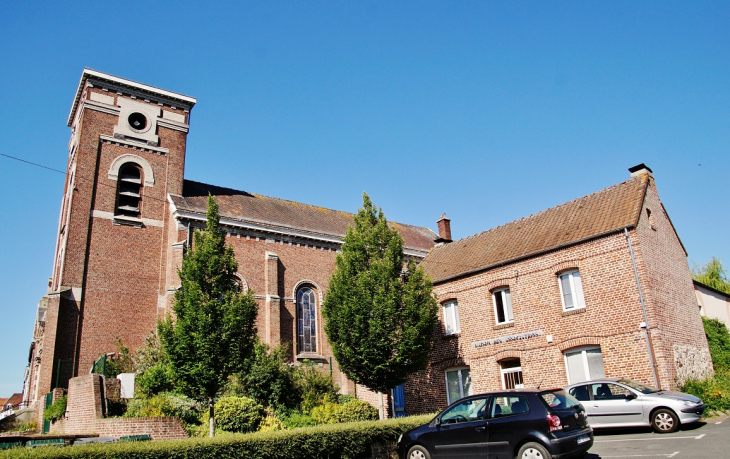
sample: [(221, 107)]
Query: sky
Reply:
[(486, 111)]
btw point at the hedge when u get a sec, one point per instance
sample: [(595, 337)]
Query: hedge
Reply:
[(347, 440)]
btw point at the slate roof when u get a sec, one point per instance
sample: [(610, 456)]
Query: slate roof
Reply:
[(280, 214), (599, 213)]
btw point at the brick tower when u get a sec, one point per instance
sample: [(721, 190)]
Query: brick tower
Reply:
[(126, 155)]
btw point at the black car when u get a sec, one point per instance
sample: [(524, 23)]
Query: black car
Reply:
[(522, 424)]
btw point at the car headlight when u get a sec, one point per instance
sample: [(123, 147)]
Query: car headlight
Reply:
[(690, 403)]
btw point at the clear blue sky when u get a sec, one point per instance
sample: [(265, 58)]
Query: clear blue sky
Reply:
[(487, 111)]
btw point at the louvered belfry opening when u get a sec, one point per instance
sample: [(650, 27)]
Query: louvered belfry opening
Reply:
[(129, 191)]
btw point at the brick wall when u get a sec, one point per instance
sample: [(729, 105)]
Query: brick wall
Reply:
[(85, 415), (678, 335), (610, 320)]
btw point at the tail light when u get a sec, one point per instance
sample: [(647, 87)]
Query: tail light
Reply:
[(554, 423)]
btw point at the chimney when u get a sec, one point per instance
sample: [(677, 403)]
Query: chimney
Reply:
[(444, 229), (640, 170)]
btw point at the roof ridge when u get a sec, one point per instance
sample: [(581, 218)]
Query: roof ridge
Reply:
[(531, 216), (299, 203)]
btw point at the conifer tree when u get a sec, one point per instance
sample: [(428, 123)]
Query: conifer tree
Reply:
[(213, 331), (379, 318)]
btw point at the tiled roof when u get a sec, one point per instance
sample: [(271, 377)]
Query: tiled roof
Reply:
[(283, 215), (607, 210)]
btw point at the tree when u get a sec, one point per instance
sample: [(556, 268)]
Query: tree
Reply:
[(213, 331), (713, 275), (379, 318)]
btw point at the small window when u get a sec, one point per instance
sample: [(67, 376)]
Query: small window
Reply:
[(451, 318), (458, 384), (503, 306), (129, 191), (584, 364), (609, 391), (509, 406), (571, 290), (511, 374)]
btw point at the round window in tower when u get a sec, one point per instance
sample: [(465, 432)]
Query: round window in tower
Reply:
[(138, 121)]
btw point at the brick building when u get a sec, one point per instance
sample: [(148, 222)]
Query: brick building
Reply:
[(597, 286), (126, 215)]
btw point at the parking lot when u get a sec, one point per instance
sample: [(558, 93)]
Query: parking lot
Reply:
[(709, 439)]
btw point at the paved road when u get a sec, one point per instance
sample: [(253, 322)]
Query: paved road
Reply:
[(710, 440)]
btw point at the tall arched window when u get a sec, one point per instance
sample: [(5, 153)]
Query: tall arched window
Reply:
[(129, 191), (306, 320)]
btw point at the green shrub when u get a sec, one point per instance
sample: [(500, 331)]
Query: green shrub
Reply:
[(297, 419), (56, 411), (238, 414), (326, 413), (344, 398), (357, 410), (715, 392), (271, 423), (317, 387), (349, 440), (718, 339), (121, 362), (165, 404), (268, 379)]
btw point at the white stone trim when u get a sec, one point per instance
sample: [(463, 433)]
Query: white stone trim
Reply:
[(182, 127), (110, 216), (149, 176), (133, 145), (243, 282), (99, 107)]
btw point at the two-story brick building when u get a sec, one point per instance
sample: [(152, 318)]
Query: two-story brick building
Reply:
[(599, 286)]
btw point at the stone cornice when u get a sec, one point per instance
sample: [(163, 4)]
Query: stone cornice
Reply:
[(99, 107), (124, 86), (140, 146), (175, 126)]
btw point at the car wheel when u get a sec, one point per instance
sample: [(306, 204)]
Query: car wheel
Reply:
[(533, 451), (664, 421), (418, 452)]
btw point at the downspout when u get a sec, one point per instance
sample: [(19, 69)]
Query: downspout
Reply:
[(643, 308)]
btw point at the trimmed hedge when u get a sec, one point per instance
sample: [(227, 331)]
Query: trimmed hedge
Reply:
[(348, 440)]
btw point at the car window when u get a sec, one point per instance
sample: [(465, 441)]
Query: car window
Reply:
[(609, 391), (643, 388), (466, 411), (509, 405), (558, 399), (582, 393)]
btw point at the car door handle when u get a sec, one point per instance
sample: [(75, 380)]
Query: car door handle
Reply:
[(480, 429)]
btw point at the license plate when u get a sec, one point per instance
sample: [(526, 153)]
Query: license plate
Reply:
[(583, 439)]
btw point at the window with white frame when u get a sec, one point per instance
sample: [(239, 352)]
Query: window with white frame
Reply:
[(511, 374), (451, 317), (458, 383), (584, 364), (502, 306), (571, 290)]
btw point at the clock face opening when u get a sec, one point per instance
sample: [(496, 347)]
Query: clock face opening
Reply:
[(138, 121)]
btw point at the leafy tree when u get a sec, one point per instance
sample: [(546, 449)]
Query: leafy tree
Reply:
[(214, 329), (379, 317), (268, 379), (718, 340), (713, 275)]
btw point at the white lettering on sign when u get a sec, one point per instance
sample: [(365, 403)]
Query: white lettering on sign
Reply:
[(507, 339)]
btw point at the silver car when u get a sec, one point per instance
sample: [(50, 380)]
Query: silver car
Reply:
[(616, 402)]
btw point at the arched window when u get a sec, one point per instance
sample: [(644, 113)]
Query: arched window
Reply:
[(129, 191), (306, 320)]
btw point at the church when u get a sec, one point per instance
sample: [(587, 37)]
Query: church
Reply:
[(128, 213)]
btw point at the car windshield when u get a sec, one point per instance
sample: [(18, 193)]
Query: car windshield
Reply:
[(643, 388), (558, 399)]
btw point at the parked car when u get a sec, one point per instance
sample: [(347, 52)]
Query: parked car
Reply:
[(625, 403), (521, 423)]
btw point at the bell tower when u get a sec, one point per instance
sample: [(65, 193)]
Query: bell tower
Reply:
[(126, 155)]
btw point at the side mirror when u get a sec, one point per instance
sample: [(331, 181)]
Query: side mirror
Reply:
[(630, 396)]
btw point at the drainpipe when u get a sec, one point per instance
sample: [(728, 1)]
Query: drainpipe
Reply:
[(643, 308)]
